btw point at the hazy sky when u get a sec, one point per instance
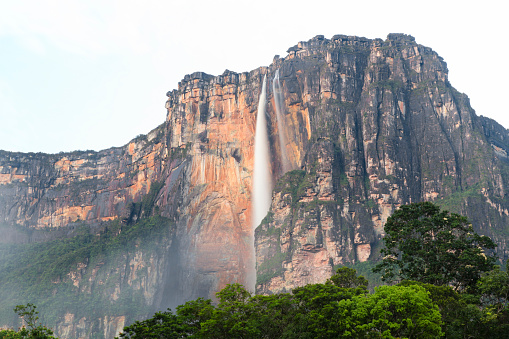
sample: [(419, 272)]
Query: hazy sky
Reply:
[(78, 75)]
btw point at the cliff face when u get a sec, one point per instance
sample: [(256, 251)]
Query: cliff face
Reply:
[(196, 171), (211, 121), (43, 190), (368, 125), (387, 129)]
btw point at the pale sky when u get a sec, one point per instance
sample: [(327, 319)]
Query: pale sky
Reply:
[(78, 75)]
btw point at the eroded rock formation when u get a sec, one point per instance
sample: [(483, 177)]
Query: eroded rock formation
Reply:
[(370, 125), (386, 129)]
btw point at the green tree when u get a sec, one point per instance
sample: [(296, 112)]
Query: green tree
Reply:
[(31, 329), (317, 309), (9, 334), (494, 295), (234, 316), (274, 314), (193, 314), (461, 315), (317, 313), (347, 278), (390, 312), (494, 288), (425, 244), (161, 325), (185, 323), (340, 307), (393, 312)]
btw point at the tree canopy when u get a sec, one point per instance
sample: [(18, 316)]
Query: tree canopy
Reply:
[(31, 329), (340, 307), (425, 244)]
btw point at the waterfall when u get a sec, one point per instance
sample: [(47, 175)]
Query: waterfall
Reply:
[(262, 180), (281, 125)]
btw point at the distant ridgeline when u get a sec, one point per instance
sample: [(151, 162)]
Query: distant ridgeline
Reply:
[(355, 128)]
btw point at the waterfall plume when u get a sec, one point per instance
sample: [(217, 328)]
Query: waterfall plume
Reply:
[(262, 180)]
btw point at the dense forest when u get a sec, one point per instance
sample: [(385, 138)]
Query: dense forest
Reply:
[(441, 280)]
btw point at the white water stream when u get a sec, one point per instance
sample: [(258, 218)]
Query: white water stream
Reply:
[(262, 179)]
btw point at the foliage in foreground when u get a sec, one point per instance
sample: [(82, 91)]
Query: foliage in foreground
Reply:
[(341, 307), (410, 309), (31, 328), (425, 244)]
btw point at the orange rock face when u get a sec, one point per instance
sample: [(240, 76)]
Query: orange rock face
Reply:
[(212, 120), (203, 158)]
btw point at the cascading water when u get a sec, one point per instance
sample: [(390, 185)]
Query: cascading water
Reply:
[(262, 180), (281, 125)]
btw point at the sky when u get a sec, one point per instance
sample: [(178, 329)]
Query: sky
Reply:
[(89, 75)]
